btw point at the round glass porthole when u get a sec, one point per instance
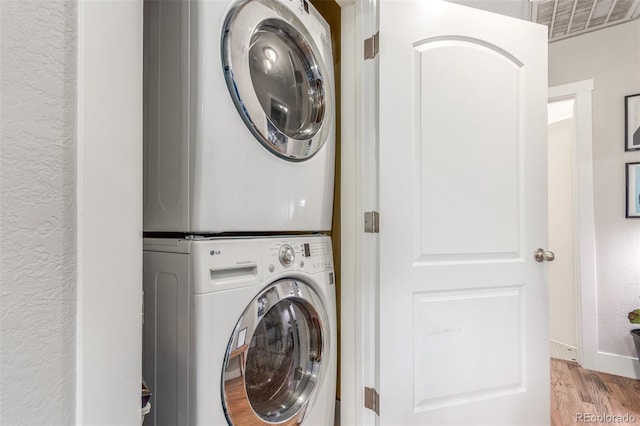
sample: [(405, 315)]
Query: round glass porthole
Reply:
[(275, 355), (276, 79), (282, 366), (285, 79)]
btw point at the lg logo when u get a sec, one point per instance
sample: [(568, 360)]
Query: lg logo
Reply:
[(215, 252)]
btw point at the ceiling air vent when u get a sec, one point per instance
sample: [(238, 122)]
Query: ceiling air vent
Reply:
[(567, 18)]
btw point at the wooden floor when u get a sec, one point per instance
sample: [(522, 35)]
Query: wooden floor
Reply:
[(580, 396)]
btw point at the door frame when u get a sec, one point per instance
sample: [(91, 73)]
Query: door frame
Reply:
[(359, 193), (583, 217), (589, 355), (100, 329), (108, 212)]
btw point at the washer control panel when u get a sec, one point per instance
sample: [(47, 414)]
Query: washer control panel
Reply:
[(227, 263), (301, 254)]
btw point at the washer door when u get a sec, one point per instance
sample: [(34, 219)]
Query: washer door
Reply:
[(276, 78), (275, 356)]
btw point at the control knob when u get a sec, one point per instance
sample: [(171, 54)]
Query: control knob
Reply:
[(287, 255)]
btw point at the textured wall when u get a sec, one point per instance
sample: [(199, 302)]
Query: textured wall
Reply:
[(611, 57), (37, 195)]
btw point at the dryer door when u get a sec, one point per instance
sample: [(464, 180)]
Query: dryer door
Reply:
[(274, 360), (277, 78)]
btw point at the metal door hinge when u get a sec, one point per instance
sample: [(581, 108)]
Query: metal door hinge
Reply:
[(371, 46), (372, 222), (372, 400)]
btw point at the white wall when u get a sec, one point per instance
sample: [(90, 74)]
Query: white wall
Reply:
[(37, 219), (562, 288), (612, 58)]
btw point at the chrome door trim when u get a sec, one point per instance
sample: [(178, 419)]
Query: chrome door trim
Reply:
[(304, 297), (247, 18)]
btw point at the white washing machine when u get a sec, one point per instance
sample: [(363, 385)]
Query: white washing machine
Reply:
[(240, 331), (240, 117)]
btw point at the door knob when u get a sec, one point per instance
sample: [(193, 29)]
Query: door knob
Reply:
[(541, 255)]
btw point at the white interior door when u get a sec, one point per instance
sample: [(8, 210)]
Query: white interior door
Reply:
[(463, 304)]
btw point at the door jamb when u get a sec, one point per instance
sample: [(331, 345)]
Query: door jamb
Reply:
[(359, 194), (584, 222)]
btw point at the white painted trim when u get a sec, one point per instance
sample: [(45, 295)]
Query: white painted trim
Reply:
[(584, 222), (619, 365), (360, 252), (109, 212), (369, 161), (570, 90), (351, 390)]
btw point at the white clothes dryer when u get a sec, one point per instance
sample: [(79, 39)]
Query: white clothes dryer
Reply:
[(240, 129), (240, 331)]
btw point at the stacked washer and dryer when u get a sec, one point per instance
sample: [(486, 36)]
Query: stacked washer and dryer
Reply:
[(239, 288)]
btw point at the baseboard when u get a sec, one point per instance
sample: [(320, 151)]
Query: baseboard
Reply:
[(619, 365)]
